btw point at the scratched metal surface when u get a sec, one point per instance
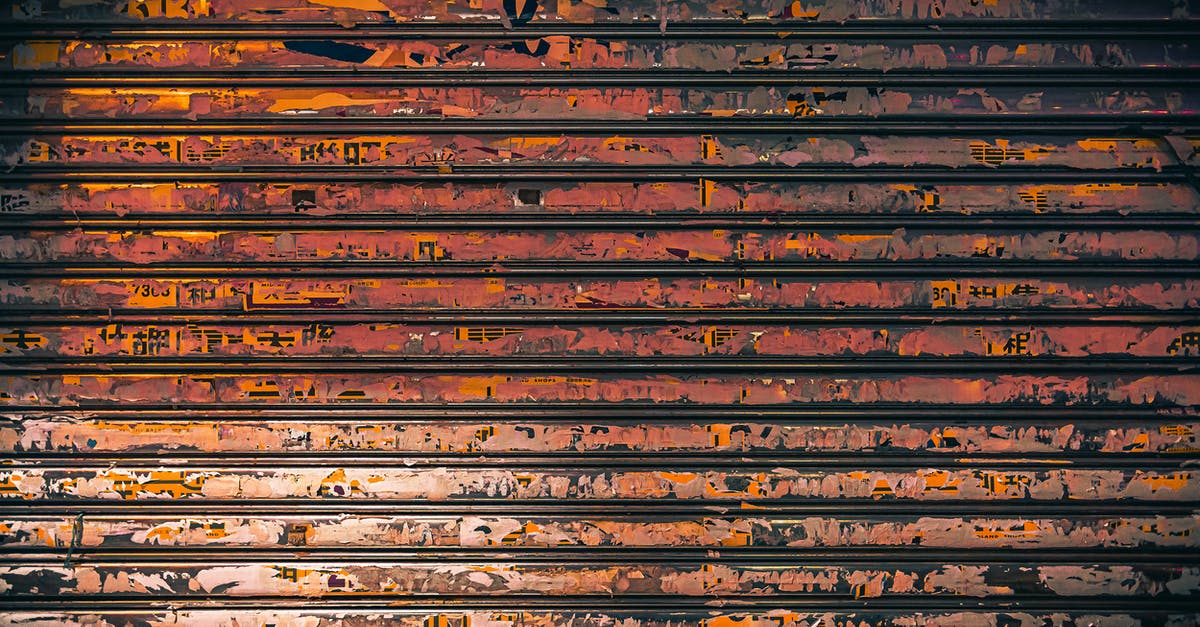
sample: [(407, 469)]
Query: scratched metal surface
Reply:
[(324, 313)]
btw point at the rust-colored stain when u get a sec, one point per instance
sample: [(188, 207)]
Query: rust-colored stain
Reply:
[(529, 313)]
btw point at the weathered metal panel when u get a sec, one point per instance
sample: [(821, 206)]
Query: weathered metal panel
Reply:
[(525, 313)]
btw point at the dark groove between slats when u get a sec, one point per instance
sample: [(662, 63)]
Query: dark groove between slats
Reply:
[(990, 223), (541, 317), (665, 602), (874, 29), (697, 507), (628, 411), (854, 558), (743, 601)]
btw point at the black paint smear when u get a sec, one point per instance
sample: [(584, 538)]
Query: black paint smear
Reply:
[(520, 11), (331, 49), (523, 47)]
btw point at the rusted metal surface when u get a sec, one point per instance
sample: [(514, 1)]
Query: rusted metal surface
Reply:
[(509, 313), (240, 98)]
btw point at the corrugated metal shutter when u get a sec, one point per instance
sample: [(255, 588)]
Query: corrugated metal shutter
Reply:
[(730, 313)]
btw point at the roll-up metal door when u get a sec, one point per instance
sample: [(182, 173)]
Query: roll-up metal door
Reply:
[(733, 313)]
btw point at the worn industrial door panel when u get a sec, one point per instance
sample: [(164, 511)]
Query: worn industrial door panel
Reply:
[(735, 314)]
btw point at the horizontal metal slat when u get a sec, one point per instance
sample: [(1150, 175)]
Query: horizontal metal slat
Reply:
[(643, 204), (642, 12), (713, 579), (168, 458), (97, 389), (873, 29), (579, 536), (1109, 316), (75, 483), (809, 99), (537, 55), (932, 124), (648, 507), (364, 613), (505, 436), (313, 77), (149, 173), (387, 338)]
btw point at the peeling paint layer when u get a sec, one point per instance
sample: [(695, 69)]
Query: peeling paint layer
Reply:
[(719, 245), (528, 313), (149, 390), (716, 532), (584, 152), (444, 293), (567, 52), (709, 618), (63, 434), (596, 103), (343, 339), (756, 200), (595, 11), (443, 484)]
